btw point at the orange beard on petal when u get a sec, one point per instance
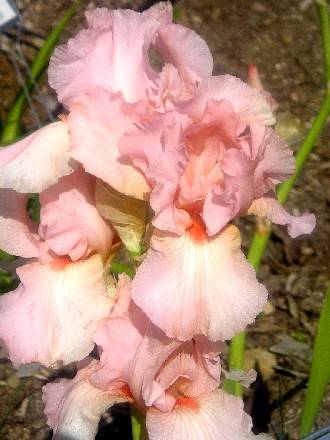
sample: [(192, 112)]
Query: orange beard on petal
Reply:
[(188, 402), (60, 263), (197, 232), (126, 391)]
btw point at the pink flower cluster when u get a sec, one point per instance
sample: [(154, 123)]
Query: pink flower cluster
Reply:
[(174, 151)]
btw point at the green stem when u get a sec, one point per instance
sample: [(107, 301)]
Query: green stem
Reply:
[(117, 268), (319, 375), (259, 241), (137, 420), (322, 8)]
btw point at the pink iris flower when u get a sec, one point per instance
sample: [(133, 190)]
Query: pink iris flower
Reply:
[(200, 151), (199, 148), (62, 297), (175, 384)]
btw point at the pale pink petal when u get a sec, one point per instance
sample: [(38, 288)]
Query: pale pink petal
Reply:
[(112, 54), (269, 207), (74, 407), (64, 302), (37, 161), (206, 143), (122, 296), (18, 233), (96, 123), (166, 177), (223, 204), (191, 57), (275, 157), (195, 284), (216, 415), (250, 104), (163, 133), (167, 88), (119, 338), (163, 165), (206, 355), (182, 368), (69, 220), (132, 351)]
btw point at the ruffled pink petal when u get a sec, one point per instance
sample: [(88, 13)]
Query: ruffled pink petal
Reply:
[(65, 303), (195, 284), (132, 351), (191, 57), (96, 123), (181, 368), (74, 407), (69, 220), (250, 104), (275, 157), (206, 143), (164, 133), (167, 88), (37, 161), (163, 165), (112, 53), (269, 207), (166, 177), (206, 355), (222, 204), (18, 233), (216, 415), (119, 338)]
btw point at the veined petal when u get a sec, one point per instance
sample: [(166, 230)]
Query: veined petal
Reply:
[(63, 303), (37, 161), (96, 123), (195, 284), (269, 207), (216, 415), (18, 233), (69, 221), (74, 407), (132, 351)]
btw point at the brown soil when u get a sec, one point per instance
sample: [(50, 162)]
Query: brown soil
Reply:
[(283, 39)]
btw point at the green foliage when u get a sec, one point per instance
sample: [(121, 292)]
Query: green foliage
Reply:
[(13, 402), (10, 129), (117, 268), (298, 336), (137, 420), (259, 243), (319, 375), (177, 13), (12, 124)]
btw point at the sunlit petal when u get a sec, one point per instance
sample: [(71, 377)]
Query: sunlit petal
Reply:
[(270, 208), (60, 306), (37, 161), (200, 284)]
